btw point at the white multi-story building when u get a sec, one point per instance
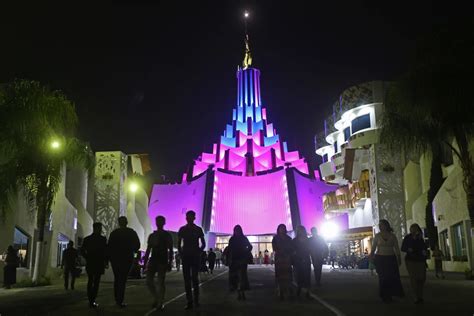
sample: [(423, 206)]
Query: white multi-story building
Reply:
[(76, 206), (368, 175)]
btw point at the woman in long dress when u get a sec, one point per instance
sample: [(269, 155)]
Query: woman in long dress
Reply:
[(239, 253), (387, 260), (283, 249), (302, 261), (415, 248)]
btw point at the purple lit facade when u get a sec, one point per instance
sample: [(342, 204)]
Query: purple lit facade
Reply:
[(250, 177)]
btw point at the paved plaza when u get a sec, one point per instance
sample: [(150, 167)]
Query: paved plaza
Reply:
[(344, 292)]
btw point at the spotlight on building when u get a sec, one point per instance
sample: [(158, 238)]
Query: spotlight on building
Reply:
[(329, 230)]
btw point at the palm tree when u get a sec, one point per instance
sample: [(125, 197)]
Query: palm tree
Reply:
[(432, 105), (37, 127)]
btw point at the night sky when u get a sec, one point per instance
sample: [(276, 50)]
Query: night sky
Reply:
[(160, 78)]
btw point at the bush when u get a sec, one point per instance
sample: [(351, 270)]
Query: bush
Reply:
[(29, 283)]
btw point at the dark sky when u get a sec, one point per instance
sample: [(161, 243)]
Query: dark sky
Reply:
[(160, 78)]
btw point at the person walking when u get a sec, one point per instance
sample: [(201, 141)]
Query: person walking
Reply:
[(189, 249), (260, 257), (302, 261), (9, 270), (203, 266), (218, 257), (94, 251), (332, 256), (240, 254), (160, 244), (68, 264), (318, 251), (123, 246), (284, 250), (438, 257), (415, 259), (177, 261), (211, 258), (266, 257), (386, 255)]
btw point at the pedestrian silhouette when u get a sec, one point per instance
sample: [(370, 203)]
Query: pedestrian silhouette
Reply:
[(177, 261), (68, 263), (9, 270), (387, 260), (122, 248), (190, 251), (94, 251), (415, 248), (284, 250), (160, 244), (302, 261), (211, 258), (240, 254), (318, 251)]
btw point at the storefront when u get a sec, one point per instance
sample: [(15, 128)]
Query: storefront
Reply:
[(259, 243)]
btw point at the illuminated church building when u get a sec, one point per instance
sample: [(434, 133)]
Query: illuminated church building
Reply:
[(250, 178)]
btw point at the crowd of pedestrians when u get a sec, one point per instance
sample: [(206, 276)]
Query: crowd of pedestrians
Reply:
[(292, 257)]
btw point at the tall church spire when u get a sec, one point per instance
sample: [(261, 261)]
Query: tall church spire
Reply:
[(248, 55)]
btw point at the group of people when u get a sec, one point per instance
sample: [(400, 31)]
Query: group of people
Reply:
[(293, 258), (386, 256), (210, 260)]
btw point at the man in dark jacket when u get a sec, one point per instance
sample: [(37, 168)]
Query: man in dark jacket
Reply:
[(93, 250), (69, 264), (123, 245)]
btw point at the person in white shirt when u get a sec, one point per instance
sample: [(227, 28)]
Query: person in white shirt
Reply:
[(386, 256)]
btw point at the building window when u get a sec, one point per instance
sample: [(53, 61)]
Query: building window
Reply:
[(347, 133), (21, 242), (325, 158), (444, 245), (335, 147), (459, 243), (360, 123)]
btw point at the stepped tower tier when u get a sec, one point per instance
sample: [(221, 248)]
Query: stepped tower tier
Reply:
[(250, 177)]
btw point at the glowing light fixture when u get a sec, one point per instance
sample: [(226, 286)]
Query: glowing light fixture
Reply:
[(329, 230), (133, 187), (246, 14), (55, 144)]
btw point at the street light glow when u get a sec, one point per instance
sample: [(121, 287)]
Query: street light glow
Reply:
[(133, 187), (55, 144), (246, 14)]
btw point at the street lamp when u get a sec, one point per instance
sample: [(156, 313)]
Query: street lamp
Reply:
[(55, 144), (133, 187)]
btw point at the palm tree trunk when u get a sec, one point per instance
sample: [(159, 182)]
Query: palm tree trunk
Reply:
[(42, 202), (436, 180)]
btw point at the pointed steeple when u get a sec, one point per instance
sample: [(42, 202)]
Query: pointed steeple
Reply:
[(248, 55)]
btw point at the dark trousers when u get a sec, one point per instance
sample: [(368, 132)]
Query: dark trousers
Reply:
[(93, 282), (69, 271), (212, 264), (318, 267), (121, 270), (190, 274)]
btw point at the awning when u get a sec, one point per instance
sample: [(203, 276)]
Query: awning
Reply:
[(355, 234)]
